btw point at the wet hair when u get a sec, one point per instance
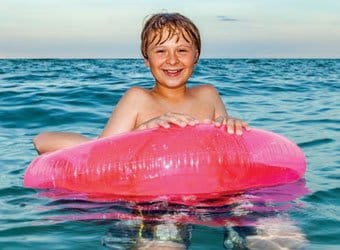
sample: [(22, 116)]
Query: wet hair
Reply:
[(176, 25)]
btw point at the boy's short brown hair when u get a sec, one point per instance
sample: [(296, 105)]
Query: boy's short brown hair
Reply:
[(175, 24)]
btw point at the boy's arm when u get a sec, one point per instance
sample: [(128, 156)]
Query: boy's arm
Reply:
[(234, 125), (124, 115)]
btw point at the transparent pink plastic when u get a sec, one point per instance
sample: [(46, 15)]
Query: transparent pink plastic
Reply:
[(177, 161)]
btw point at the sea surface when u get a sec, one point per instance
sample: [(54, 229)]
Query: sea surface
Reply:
[(299, 99)]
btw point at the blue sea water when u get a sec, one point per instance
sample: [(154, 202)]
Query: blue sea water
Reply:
[(299, 99)]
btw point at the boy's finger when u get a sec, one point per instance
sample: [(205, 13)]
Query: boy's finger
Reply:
[(230, 126), (246, 125), (238, 127), (218, 121), (163, 124), (207, 121), (176, 121)]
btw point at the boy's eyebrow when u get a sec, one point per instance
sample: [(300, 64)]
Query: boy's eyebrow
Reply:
[(161, 46)]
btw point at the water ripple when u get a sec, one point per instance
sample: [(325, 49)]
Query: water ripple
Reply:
[(298, 98), (315, 142)]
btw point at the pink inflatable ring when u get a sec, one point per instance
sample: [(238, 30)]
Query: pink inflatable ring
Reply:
[(177, 161)]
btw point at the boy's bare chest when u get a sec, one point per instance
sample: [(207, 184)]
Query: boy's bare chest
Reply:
[(199, 109)]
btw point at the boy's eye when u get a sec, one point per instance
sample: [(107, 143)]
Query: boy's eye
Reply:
[(183, 50), (159, 51)]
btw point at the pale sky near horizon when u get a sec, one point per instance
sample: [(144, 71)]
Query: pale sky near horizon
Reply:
[(111, 29)]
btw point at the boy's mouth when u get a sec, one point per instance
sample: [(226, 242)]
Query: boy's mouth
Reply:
[(172, 72)]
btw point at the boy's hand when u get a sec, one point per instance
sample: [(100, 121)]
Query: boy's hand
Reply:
[(166, 119), (234, 125)]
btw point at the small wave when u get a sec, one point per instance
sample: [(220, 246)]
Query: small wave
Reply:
[(316, 121), (30, 77), (330, 196), (315, 142)]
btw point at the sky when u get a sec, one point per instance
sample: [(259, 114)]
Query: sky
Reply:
[(111, 29)]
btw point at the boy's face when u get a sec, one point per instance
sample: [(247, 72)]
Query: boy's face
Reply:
[(172, 61)]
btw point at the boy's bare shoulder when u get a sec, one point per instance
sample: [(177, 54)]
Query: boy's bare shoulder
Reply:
[(136, 93), (205, 89), (134, 97), (135, 90)]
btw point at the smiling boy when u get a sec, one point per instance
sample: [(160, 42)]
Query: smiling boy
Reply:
[(171, 47)]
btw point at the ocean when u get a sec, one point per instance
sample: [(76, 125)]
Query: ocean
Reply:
[(297, 98)]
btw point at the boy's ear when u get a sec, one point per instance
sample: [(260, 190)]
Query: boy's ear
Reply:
[(146, 62), (196, 56)]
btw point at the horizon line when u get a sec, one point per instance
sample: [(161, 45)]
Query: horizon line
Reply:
[(140, 58)]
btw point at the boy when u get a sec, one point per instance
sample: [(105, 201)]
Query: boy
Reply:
[(171, 47)]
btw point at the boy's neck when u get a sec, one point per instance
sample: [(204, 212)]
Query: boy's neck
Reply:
[(169, 93)]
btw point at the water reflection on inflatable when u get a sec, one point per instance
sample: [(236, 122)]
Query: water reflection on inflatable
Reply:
[(256, 219)]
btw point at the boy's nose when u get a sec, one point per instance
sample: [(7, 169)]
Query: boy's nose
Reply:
[(172, 58)]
